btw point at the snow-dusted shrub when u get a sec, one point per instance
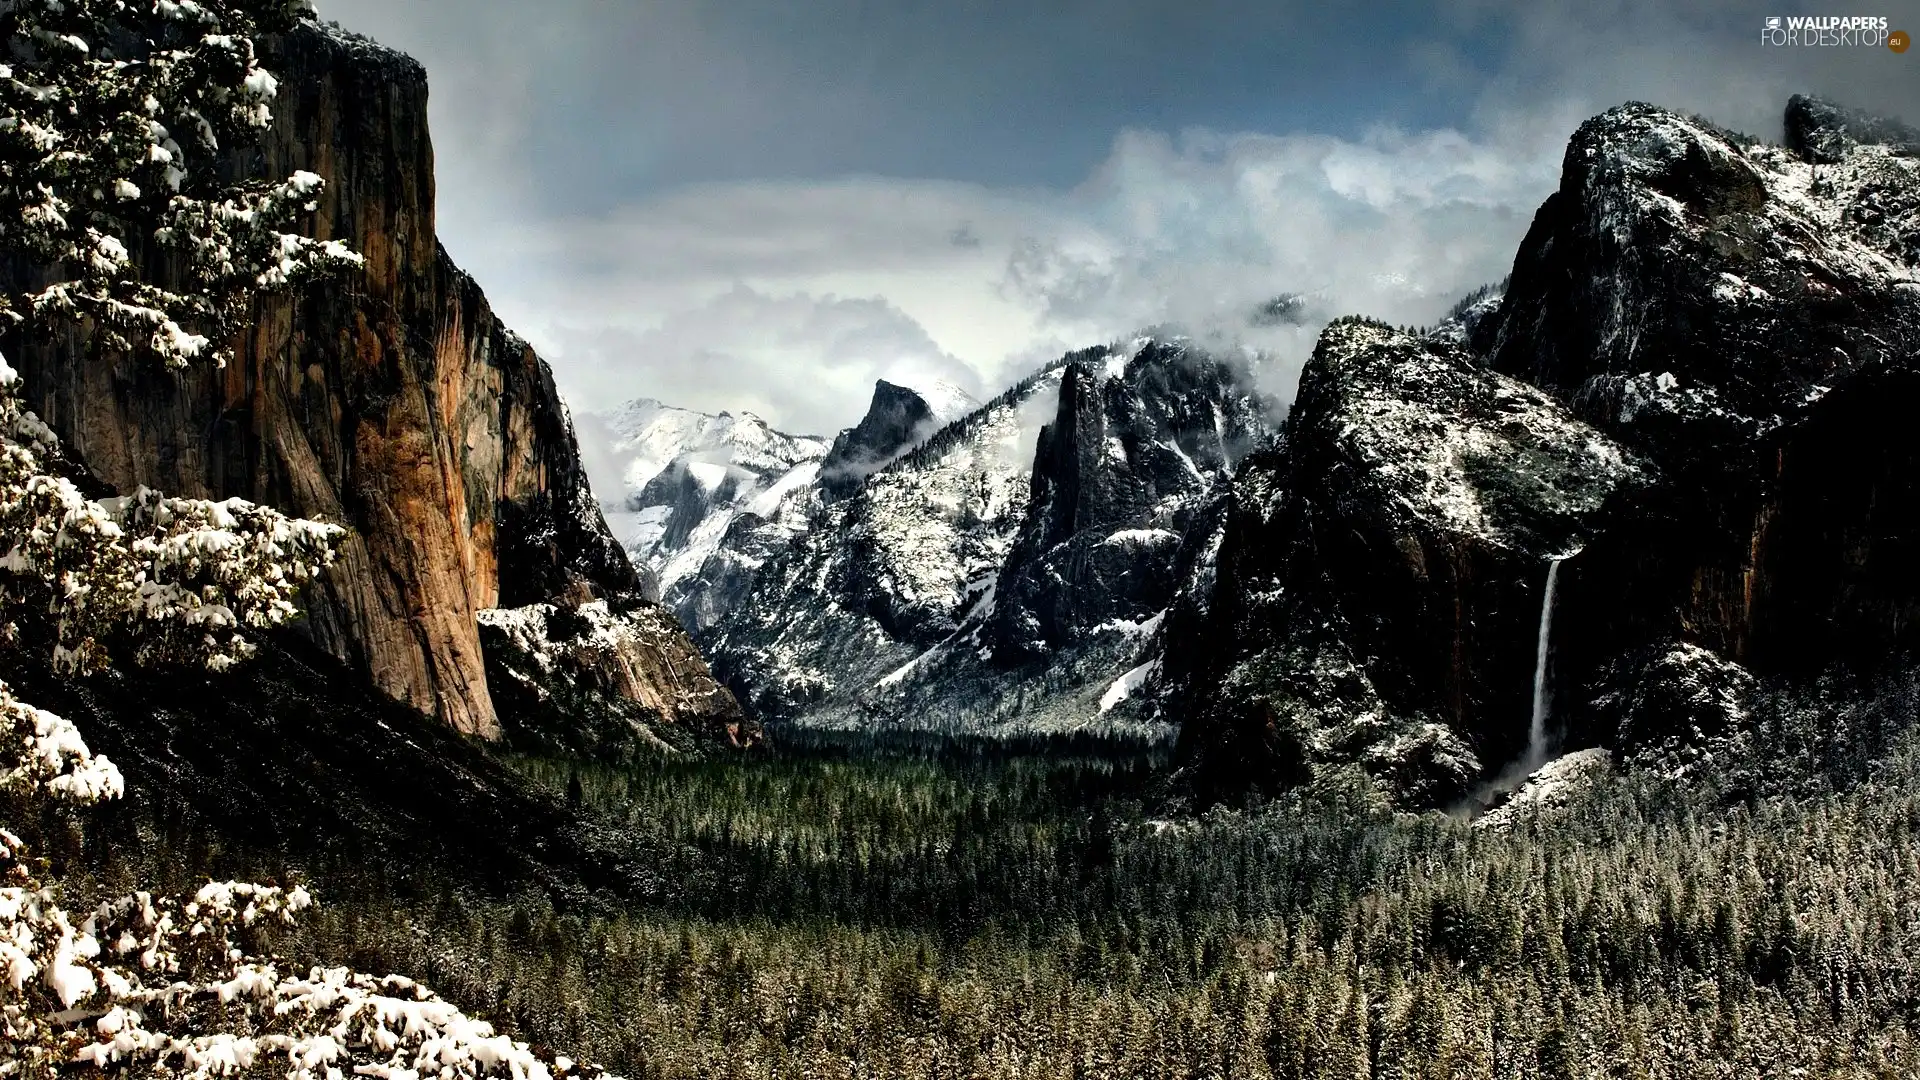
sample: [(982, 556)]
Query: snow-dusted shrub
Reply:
[(112, 113), (175, 579), (146, 983)]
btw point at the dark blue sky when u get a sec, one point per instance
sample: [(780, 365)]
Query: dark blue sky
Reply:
[(1020, 94)]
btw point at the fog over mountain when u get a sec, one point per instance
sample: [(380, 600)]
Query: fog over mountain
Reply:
[(971, 192)]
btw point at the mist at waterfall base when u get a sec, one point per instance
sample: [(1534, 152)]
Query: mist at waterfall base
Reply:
[(1541, 740)]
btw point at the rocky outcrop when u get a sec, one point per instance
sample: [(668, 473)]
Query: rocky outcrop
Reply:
[(1747, 317), (1823, 133), (1380, 572), (896, 419), (604, 677), (395, 403), (1695, 388), (1135, 445)]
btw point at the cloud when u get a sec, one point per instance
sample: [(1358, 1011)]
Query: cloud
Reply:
[(784, 357), (788, 298), (1201, 230), (676, 207)]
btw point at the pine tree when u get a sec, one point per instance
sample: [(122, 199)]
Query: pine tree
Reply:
[(112, 117), (111, 114)]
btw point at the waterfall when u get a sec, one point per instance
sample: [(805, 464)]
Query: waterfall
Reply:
[(1537, 729)]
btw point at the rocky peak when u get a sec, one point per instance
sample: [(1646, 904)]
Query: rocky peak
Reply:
[(1138, 440), (1691, 400), (896, 419), (1823, 132), (1011, 570), (1381, 567), (1673, 257), (1748, 318), (889, 570)]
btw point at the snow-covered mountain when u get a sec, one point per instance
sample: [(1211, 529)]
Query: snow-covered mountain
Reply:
[(703, 499), (1668, 463), (1010, 571), (684, 475), (898, 419)]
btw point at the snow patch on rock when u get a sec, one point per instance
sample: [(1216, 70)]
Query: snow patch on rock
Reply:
[(1553, 787)]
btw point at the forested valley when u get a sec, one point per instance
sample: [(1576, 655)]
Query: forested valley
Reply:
[(890, 907)]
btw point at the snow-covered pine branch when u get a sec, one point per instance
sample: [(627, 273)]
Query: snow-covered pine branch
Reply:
[(174, 579), (112, 117), (146, 984), (112, 113)]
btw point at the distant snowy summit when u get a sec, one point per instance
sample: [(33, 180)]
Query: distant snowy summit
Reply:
[(1009, 573), (703, 498), (898, 419), (684, 475)]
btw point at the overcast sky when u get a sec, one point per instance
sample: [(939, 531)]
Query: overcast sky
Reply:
[(766, 205)]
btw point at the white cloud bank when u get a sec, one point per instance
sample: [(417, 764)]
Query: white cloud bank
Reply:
[(789, 297)]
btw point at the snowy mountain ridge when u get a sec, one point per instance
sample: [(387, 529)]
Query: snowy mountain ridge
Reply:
[(684, 476), (703, 498), (1008, 572)]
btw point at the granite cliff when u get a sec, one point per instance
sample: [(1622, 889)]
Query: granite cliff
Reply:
[(1688, 409), (395, 403)]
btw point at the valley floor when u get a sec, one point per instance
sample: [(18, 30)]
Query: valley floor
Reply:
[(965, 910)]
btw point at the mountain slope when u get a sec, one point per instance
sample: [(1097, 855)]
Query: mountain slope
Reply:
[(710, 498), (685, 477), (1721, 341), (1009, 571)]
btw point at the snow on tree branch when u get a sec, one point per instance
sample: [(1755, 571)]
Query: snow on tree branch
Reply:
[(177, 578), (146, 983), (112, 114), (112, 117)]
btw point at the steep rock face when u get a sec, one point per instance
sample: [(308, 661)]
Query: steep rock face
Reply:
[(1010, 571), (1380, 570), (1117, 478), (895, 420), (394, 402), (1748, 318), (1695, 388)]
